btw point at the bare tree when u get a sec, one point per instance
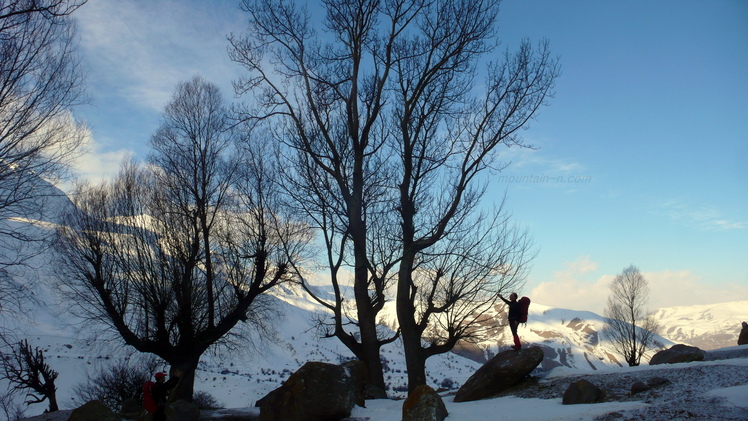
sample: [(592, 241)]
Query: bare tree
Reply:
[(393, 132), (173, 256), (446, 137), (26, 370), (40, 81), (331, 111), (630, 327), (9, 407)]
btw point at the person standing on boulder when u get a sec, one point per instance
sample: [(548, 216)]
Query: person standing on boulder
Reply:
[(513, 317)]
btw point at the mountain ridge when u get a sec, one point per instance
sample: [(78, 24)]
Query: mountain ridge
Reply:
[(569, 339)]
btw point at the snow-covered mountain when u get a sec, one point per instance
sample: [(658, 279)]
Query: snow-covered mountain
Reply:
[(568, 338), (238, 377), (707, 326)]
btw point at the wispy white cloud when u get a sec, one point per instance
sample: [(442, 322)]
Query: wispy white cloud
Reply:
[(567, 290), (670, 288), (141, 49), (538, 161), (96, 165), (533, 161), (704, 217)]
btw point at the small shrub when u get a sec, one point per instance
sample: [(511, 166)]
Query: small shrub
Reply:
[(448, 383), (204, 400), (400, 388), (117, 383)]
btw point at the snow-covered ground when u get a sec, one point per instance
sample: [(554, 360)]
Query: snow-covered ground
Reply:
[(716, 389), (237, 378), (709, 390)]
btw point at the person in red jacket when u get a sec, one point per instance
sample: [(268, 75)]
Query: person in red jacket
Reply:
[(513, 317), (155, 395)]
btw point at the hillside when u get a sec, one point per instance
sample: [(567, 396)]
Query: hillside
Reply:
[(707, 326), (239, 376)]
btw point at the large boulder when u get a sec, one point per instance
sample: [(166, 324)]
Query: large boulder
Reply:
[(357, 371), (182, 410), (130, 409), (678, 354), (582, 392), (315, 392), (640, 387), (424, 404), (743, 338), (500, 373), (93, 411)]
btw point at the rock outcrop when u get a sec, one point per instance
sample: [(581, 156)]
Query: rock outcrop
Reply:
[(582, 392), (678, 354), (315, 392), (93, 411), (357, 371), (424, 404), (130, 409), (182, 411), (743, 337), (640, 387), (500, 373)]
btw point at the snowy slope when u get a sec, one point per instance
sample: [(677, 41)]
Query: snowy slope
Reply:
[(569, 338), (707, 326), (237, 378)]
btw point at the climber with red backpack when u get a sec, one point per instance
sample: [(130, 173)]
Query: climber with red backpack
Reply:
[(155, 395), (517, 314)]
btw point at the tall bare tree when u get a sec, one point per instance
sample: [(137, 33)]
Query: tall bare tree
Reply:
[(40, 81), (447, 134), (331, 122), (171, 257), (630, 327), (393, 132)]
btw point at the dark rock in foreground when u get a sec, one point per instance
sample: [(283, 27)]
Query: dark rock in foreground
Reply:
[(315, 392), (182, 411), (743, 338), (424, 404), (678, 354), (582, 392), (500, 373), (93, 411)]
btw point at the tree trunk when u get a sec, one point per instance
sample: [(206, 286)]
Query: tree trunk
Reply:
[(185, 386), (368, 328), (409, 331), (53, 407), (415, 362), (374, 370)]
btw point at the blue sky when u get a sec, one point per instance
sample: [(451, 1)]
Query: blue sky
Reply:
[(641, 155)]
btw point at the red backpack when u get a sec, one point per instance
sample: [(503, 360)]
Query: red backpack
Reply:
[(524, 305), (148, 403)]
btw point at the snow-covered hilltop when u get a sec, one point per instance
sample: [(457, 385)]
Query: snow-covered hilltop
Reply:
[(239, 376), (707, 326)]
